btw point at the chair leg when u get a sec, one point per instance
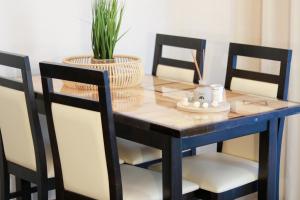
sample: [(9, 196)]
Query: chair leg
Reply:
[(4, 175), (42, 190), (24, 187), (4, 185)]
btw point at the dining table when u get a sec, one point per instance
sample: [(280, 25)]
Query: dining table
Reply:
[(148, 114)]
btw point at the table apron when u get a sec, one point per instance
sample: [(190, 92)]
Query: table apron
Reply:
[(149, 138), (219, 136)]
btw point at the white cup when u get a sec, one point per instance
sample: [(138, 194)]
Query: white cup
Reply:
[(217, 93)]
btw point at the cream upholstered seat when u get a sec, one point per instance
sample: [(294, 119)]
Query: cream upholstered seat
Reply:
[(217, 172), (145, 184), (134, 153)]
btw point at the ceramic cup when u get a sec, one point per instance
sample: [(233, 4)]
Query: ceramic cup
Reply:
[(217, 93)]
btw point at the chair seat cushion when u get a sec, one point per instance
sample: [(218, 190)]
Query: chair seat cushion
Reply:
[(217, 172), (134, 153), (139, 183)]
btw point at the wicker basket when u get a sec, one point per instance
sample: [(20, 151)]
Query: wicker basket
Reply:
[(124, 71), (123, 100)]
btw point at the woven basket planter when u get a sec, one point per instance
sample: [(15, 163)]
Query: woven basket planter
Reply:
[(124, 71)]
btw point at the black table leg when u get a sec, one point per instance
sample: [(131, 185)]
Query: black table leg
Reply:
[(267, 184), (172, 169), (4, 176), (279, 145)]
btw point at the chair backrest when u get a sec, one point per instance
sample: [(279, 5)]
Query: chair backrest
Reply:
[(19, 123), (177, 69), (269, 85), (82, 136)]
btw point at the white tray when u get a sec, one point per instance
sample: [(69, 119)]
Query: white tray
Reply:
[(223, 107)]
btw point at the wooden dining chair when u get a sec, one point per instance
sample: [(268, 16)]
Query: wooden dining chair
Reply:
[(22, 150), (232, 172), (83, 141), (173, 69)]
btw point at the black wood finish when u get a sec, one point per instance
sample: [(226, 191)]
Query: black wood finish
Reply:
[(268, 161), (284, 56), (23, 175), (280, 133), (26, 188), (182, 42), (4, 176), (51, 71), (171, 156)]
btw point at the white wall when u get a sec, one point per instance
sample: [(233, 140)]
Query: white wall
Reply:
[(219, 22), (54, 29)]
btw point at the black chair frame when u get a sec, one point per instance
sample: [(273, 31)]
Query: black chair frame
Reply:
[(103, 106), (24, 176), (50, 71), (284, 57), (181, 42)]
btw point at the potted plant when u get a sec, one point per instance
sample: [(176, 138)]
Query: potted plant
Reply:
[(124, 71)]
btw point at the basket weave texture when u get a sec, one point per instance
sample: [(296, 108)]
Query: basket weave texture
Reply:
[(124, 71)]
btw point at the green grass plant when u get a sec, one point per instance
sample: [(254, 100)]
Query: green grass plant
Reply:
[(107, 19)]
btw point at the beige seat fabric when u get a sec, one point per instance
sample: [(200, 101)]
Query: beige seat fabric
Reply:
[(247, 147), (82, 154), (15, 128), (175, 73), (134, 153), (145, 184), (81, 149), (16, 131), (254, 87), (217, 172)]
